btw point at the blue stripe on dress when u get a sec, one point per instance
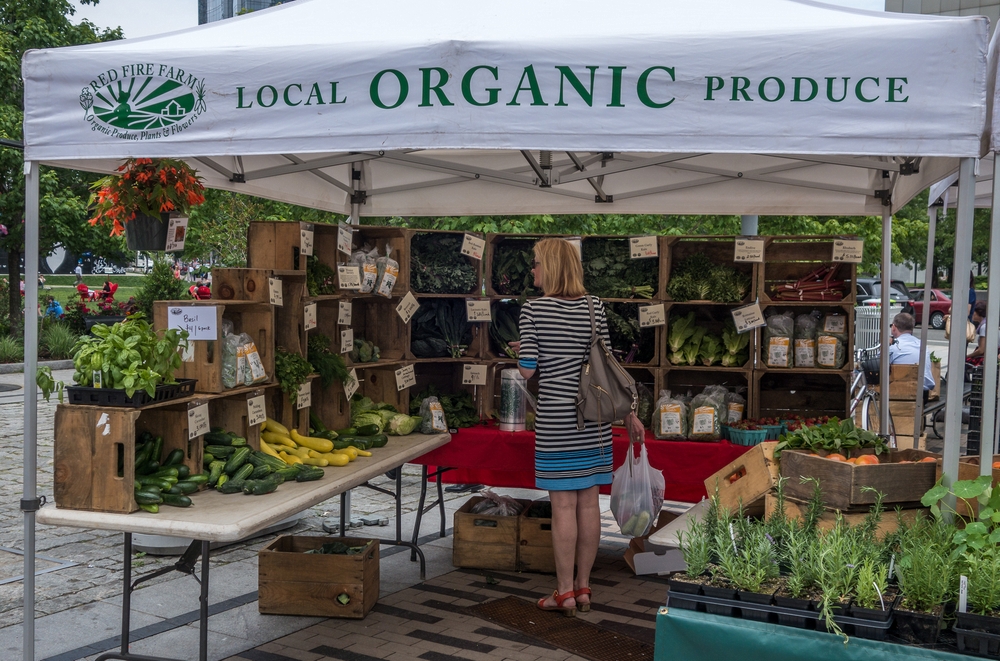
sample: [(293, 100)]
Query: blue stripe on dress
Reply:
[(528, 364)]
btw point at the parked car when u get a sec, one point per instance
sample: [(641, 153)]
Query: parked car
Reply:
[(940, 306), (869, 292)]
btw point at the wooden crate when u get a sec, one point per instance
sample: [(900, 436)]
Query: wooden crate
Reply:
[(325, 249), (252, 285), (888, 525), (787, 259), (648, 378), (826, 308), (274, 245), (534, 535), (720, 249), (806, 393), (477, 264), (293, 582), (623, 241), (682, 380), (483, 541), (842, 483), (254, 319), (230, 413), (489, 350), (493, 242), (480, 333), (650, 339), (446, 376), (712, 317), (86, 459), (330, 405), (745, 481), (281, 408), (379, 384), (373, 318)]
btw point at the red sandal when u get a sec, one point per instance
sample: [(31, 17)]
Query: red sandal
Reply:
[(560, 599), (583, 608)]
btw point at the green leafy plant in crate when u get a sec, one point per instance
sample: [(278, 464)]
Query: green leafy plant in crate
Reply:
[(512, 262), (610, 272), (437, 265)]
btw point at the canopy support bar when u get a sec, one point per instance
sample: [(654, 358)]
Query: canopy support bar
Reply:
[(29, 498), (925, 316), (886, 339), (601, 195), (992, 330), (322, 175)]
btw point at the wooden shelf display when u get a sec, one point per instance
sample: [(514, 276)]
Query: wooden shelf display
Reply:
[(781, 393), (427, 250), (713, 317), (676, 251), (788, 260), (833, 323)]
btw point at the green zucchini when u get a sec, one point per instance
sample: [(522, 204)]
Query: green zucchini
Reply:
[(379, 441), (142, 453), (350, 431), (309, 473), (175, 458), (149, 467), (361, 442), (152, 508), (316, 423), (147, 498), (219, 438), (238, 459), (339, 443), (175, 500), (157, 453), (220, 451)]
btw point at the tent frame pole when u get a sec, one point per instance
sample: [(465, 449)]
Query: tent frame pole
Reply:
[(29, 498), (925, 320), (886, 338), (986, 430)]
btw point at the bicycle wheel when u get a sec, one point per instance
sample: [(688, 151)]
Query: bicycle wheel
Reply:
[(872, 421)]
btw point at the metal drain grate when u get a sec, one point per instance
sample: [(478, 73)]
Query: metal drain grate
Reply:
[(568, 633)]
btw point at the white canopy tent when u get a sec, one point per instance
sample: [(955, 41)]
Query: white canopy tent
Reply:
[(445, 108)]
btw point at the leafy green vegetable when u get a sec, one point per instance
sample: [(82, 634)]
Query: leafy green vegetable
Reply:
[(321, 280), (440, 328), (338, 548), (692, 348), (698, 278), (402, 424), (610, 272), (330, 366), (681, 328), (364, 351), (292, 371), (437, 265), (504, 327), (736, 344), (513, 260), (834, 436), (459, 409), (631, 343), (711, 350)]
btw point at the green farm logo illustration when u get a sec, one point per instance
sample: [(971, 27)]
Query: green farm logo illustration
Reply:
[(143, 101)]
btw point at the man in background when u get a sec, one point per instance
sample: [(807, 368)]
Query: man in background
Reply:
[(905, 349)]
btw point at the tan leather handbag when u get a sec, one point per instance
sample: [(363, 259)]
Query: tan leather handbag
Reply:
[(970, 329), (607, 392)]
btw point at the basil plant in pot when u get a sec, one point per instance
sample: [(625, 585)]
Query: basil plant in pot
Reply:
[(140, 199)]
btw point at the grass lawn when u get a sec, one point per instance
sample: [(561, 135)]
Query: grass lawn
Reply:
[(63, 287)]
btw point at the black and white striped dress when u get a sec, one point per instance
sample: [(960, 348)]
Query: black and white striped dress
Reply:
[(555, 338)]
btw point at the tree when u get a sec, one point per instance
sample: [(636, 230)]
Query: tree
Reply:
[(25, 25)]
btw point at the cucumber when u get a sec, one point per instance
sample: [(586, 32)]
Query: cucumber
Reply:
[(261, 471), (185, 487), (288, 472), (350, 431), (157, 453), (379, 441), (222, 480), (162, 483), (361, 443), (176, 501), (166, 472), (316, 423), (147, 498), (238, 442), (238, 459), (309, 473), (215, 472), (200, 478), (183, 472), (368, 430), (152, 508), (174, 458), (261, 487), (265, 459), (232, 486), (149, 467), (219, 438), (220, 451), (142, 453), (244, 472), (207, 458)]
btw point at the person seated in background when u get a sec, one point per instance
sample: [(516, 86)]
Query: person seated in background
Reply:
[(84, 292), (979, 319), (107, 291), (905, 349), (53, 308)]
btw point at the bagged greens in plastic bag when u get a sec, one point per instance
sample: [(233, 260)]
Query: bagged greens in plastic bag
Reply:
[(432, 416), (736, 405), (670, 418), (495, 504), (364, 259), (835, 324), (253, 366), (232, 368), (706, 418), (831, 352), (805, 340), (387, 270), (777, 339), (636, 494)]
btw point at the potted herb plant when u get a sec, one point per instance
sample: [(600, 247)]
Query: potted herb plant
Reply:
[(140, 199), (982, 569), (926, 573)]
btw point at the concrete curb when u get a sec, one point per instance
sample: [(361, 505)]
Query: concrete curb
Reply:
[(14, 368)]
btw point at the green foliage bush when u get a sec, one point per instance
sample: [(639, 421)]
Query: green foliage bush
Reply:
[(11, 350), (160, 285), (57, 339)]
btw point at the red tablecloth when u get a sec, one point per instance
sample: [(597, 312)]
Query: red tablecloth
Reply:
[(486, 455)]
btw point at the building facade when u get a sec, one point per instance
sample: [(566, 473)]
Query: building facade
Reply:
[(988, 8), (216, 10)]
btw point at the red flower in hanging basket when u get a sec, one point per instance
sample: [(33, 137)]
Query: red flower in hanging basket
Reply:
[(145, 186)]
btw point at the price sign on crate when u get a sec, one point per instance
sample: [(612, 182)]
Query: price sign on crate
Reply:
[(478, 311), (274, 289), (256, 411), (348, 277), (652, 315), (344, 238), (473, 246), (474, 375), (305, 239), (406, 377), (304, 397), (351, 385), (749, 250), (848, 250), (643, 247), (748, 317), (346, 340), (344, 313), (310, 316), (407, 307), (198, 424)]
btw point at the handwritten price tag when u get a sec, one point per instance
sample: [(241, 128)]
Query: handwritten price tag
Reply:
[(652, 315), (198, 424), (748, 317), (643, 247), (310, 316), (406, 377), (577, 243), (344, 313), (351, 385), (304, 397), (305, 239), (346, 340), (274, 287), (349, 277), (474, 375), (478, 311), (256, 413), (749, 250), (473, 246), (848, 250), (344, 239), (407, 307)]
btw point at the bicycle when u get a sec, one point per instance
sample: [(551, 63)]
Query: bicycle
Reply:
[(865, 398)]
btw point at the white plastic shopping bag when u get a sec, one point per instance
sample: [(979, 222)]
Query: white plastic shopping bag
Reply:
[(636, 494)]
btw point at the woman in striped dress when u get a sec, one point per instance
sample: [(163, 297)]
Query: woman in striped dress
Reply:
[(570, 463)]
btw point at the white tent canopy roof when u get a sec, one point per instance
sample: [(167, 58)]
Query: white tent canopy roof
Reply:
[(447, 107)]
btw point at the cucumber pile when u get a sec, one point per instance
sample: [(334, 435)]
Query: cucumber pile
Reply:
[(159, 480), (233, 467)]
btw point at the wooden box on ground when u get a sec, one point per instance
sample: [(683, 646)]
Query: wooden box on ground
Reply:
[(808, 394), (373, 318), (888, 525), (274, 245), (719, 249), (293, 582), (746, 480), (254, 319), (325, 249), (713, 317), (534, 539), (457, 237), (484, 541), (231, 414), (788, 259), (843, 485), (94, 452)]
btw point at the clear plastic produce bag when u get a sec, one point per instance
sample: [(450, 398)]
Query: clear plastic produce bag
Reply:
[(636, 494)]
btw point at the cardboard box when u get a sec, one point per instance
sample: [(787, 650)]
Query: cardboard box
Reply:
[(644, 558), (746, 479), (293, 582)]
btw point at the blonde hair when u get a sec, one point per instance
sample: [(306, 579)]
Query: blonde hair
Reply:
[(562, 270)]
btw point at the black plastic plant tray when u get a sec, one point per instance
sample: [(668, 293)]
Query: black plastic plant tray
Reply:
[(115, 397), (977, 643)]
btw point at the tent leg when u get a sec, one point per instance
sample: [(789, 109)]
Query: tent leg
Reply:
[(29, 498), (957, 346), (986, 446), (925, 331), (886, 336)]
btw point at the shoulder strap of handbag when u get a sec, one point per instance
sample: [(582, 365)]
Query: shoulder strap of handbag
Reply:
[(593, 322)]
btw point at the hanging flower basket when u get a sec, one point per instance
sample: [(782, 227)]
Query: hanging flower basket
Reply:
[(147, 232)]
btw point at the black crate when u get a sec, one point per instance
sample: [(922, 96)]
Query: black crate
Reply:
[(114, 397)]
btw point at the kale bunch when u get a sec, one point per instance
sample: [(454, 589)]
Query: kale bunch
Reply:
[(513, 260), (437, 265), (610, 272)]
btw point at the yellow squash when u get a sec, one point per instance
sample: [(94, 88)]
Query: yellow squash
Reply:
[(317, 444), (336, 459), (275, 438), (267, 449), (289, 459), (275, 426), (311, 461)]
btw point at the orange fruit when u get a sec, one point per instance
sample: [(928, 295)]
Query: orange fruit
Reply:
[(996, 464), (836, 457), (867, 460), (929, 460), (852, 460)]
